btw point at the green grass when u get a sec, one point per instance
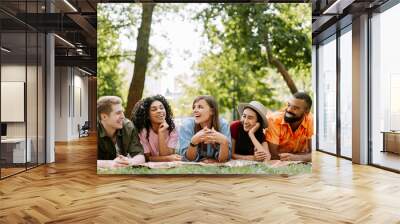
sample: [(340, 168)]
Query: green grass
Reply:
[(291, 169)]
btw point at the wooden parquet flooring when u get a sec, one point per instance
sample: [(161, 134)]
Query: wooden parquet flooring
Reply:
[(10, 171), (70, 191)]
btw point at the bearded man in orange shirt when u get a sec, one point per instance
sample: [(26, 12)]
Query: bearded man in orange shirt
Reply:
[(289, 132)]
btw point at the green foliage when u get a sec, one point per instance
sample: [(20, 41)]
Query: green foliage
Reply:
[(122, 21), (109, 77), (293, 169), (230, 79), (237, 67), (246, 28)]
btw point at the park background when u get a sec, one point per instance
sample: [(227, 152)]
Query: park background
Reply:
[(234, 52)]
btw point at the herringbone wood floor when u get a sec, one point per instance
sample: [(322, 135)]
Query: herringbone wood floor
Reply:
[(69, 191)]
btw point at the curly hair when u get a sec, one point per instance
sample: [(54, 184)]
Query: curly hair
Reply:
[(141, 113)]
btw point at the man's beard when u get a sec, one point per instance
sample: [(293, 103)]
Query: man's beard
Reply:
[(292, 119)]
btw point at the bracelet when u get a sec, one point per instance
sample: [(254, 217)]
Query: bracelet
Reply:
[(191, 144)]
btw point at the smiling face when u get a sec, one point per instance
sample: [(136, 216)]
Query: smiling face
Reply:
[(115, 119), (202, 112), (157, 112), (248, 119), (295, 111)]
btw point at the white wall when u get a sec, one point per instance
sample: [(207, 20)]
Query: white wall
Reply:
[(13, 73), (61, 103), (385, 74), (80, 110), (34, 124), (70, 84)]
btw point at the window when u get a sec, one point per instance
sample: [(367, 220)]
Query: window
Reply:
[(327, 95), (346, 92), (385, 88), (22, 66)]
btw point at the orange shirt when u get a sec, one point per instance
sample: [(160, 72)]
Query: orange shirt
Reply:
[(280, 133)]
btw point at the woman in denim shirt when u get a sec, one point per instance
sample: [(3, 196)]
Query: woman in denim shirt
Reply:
[(205, 137)]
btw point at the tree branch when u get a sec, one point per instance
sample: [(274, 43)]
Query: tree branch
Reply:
[(280, 67)]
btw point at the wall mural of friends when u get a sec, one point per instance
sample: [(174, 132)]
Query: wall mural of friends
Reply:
[(197, 88)]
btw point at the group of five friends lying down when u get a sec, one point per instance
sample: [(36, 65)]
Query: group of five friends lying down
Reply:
[(151, 134)]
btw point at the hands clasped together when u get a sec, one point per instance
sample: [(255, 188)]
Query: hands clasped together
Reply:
[(208, 136)]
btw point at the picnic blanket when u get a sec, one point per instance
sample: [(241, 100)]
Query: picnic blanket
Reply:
[(231, 163)]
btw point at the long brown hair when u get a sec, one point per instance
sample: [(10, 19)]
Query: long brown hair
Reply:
[(212, 103)]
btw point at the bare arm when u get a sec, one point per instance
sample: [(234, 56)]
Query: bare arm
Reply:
[(260, 147), (223, 151), (191, 153), (256, 143), (169, 158), (162, 145), (217, 137), (267, 152), (124, 161), (306, 157), (273, 149), (242, 157)]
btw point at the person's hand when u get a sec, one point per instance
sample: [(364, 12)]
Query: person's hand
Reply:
[(210, 137), (209, 160), (214, 136), (121, 161), (288, 157), (199, 137), (260, 155), (174, 157), (254, 129), (104, 163), (163, 127)]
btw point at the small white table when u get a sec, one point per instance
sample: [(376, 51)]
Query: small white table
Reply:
[(18, 150)]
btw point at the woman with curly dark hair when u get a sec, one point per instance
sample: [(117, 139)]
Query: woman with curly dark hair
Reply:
[(152, 117)]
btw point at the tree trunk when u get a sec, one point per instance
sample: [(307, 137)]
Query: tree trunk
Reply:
[(141, 58), (281, 69), (285, 74)]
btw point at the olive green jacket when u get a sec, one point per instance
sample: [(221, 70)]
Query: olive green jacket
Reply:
[(127, 140)]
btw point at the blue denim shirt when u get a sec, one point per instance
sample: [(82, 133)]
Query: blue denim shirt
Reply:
[(186, 133)]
